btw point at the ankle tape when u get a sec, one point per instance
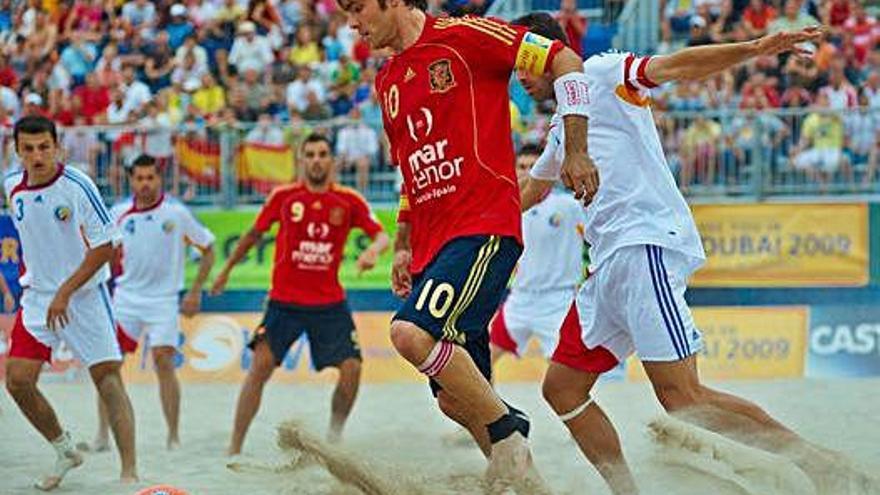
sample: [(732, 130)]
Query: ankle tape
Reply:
[(507, 425)]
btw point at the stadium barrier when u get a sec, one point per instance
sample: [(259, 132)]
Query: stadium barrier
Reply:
[(747, 155), (219, 165), (729, 155)]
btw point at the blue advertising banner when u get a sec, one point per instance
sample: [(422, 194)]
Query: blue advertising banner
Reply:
[(844, 341), (10, 253)]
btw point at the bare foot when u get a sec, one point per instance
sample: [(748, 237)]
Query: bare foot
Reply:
[(71, 459), (508, 463), (128, 478), (101, 445), (334, 436), (172, 443)]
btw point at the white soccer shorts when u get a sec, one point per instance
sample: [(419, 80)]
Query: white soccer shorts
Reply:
[(528, 314), (90, 332), (634, 302), (156, 317)]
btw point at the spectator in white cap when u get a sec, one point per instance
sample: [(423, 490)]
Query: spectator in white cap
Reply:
[(179, 27), (33, 106), (699, 31), (250, 51)]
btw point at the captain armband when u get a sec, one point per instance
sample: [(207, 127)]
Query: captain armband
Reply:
[(535, 52)]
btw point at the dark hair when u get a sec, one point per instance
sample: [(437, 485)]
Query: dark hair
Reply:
[(413, 4), (542, 24), (34, 124), (530, 149), (315, 138), (142, 161)]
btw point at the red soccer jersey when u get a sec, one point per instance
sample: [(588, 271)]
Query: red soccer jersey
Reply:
[(445, 106), (313, 229)]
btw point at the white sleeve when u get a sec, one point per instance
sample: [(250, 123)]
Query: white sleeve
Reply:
[(194, 232), (549, 164), (118, 210), (97, 224), (635, 78)]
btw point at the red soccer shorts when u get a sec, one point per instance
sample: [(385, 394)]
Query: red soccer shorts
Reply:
[(572, 352)]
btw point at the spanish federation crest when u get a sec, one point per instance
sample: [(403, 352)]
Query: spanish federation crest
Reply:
[(62, 213), (441, 77)]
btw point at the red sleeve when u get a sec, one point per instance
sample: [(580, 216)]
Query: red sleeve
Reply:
[(500, 46), (362, 217), (269, 213)]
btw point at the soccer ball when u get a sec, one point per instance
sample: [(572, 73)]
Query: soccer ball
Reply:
[(162, 490)]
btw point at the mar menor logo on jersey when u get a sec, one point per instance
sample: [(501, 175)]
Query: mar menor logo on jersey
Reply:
[(129, 226), (168, 226), (556, 219), (63, 213), (441, 77)]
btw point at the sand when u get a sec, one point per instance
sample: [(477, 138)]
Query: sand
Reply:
[(396, 429)]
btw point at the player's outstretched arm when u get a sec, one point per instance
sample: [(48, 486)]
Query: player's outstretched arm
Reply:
[(192, 302), (96, 257), (699, 62), (244, 245)]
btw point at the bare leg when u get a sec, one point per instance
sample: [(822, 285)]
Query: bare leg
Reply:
[(454, 411), (344, 396), (262, 366), (677, 386), (102, 439), (567, 390), (169, 392), (21, 381), (510, 458), (108, 381)]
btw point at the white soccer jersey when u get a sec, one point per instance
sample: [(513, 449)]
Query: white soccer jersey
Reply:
[(154, 242), (638, 201), (553, 245), (57, 223)]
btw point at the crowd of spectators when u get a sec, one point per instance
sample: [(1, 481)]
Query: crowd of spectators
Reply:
[(268, 66), (815, 114)]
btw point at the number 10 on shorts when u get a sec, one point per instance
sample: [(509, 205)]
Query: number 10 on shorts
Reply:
[(444, 292)]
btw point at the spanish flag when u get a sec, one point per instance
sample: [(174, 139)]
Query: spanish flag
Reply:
[(264, 167), (200, 160)]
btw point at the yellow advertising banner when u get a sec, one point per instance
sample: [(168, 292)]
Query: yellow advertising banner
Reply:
[(784, 245), (213, 349), (748, 343)]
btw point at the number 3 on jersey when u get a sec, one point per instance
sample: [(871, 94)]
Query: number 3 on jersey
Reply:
[(444, 292), (19, 206)]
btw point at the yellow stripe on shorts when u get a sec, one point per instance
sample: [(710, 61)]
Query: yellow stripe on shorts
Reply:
[(471, 287)]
